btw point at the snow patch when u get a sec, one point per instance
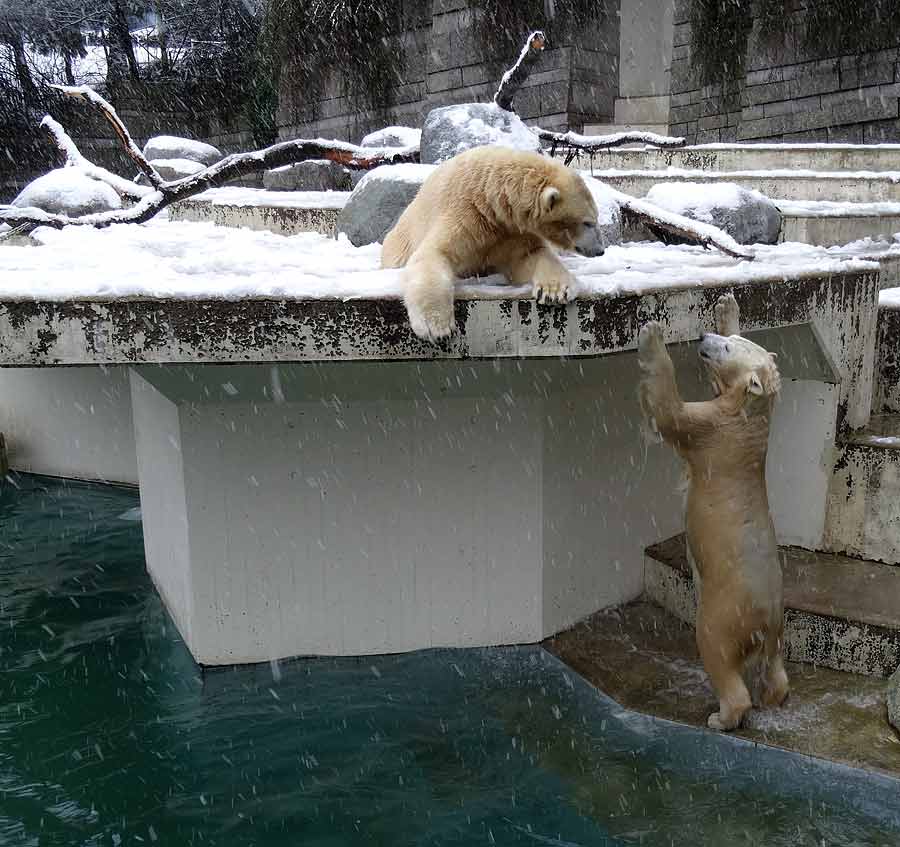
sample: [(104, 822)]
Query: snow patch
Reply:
[(699, 198), (188, 260), (174, 147), (237, 196), (393, 136)]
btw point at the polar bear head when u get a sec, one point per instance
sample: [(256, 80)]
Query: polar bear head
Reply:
[(739, 368), (567, 214)]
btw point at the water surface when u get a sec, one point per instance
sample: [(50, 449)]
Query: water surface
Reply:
[(110, 735)]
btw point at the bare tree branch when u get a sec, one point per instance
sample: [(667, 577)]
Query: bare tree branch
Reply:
[(74, 158), (515, 77), (229, 168), (85, 92), (694, 232), (573, 143)]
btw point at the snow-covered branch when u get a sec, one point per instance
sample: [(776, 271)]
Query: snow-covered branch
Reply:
[(86, 93), (515, 77), (573, 143), (231, 167), (74, 158)]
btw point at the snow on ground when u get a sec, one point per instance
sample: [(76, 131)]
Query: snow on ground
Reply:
[(201, 260), (236, 196)]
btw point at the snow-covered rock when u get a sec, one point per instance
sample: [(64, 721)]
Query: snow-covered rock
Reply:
[(893, 700), (173, 147), (393, 136), (378, 201), (175, 168), (314, 175), (68, 191), (454, 129), (609, 212), (746, 215)]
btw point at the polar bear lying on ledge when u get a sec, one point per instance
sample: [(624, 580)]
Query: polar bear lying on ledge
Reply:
[(490, 209), (731, 539)]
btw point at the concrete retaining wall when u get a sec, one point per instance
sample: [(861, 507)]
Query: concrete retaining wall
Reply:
[(785, 93)]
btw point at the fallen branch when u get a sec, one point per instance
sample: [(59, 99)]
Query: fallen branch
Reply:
[(573, 143), (515, 77), (74, 158), (86, 93), (693, 232), (151, 200)]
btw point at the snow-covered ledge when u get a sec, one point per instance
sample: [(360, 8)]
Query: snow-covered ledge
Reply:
[(316, 480)]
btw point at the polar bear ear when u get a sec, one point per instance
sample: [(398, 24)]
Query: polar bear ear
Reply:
[(549, 198)]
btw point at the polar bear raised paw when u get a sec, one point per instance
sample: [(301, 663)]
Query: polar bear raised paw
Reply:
[(728, 316)]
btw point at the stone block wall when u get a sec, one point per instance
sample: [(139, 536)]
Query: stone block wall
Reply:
[(444, 63), (785, 94)]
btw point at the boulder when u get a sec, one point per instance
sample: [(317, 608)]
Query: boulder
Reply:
[(174, 169), (173, 147), (609, 212), (454, 129), (893, 700), (378, 201), (746, 215), (314, 175), (393, 136), (68, 191)]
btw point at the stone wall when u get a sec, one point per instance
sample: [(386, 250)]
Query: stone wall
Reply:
[(573, 84), (785, 94)]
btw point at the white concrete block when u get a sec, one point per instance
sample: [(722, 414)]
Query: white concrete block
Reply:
[(70, 422)]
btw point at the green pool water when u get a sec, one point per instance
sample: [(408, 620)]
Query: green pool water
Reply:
[(109, 734)]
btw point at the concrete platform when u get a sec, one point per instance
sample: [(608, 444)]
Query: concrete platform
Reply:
[(314, 479), (646, 659), (840, 613), (838, 186), (753, 157)]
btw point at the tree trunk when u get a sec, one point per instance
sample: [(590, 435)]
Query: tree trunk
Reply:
[(121, 50), (70, 73), (23, 74)]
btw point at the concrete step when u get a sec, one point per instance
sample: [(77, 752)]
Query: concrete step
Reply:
[(886, 391), (752, 157), (835, 186), (826, 224), (840, 612), (863, 517), (646, 660)]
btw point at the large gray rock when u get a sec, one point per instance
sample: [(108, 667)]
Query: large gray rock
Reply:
[(378, 201), (314, 175), (746, 215), (893, 700), (454, 129), (68, 191), (174, 169), (609, 212), (173, 147), (393, 136)]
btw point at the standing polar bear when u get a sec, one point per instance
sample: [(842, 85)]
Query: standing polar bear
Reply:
[(490, 209), (730, 536)]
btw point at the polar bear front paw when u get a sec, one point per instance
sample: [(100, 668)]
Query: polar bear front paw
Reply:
[(728, 316), (555, 288), (431, 323), (651, 344)]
